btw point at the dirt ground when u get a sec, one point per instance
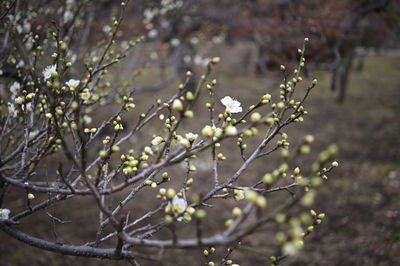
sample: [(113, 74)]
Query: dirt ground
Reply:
[(361, 199)]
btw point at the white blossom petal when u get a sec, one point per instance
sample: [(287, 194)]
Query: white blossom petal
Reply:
[(48, 71), (191, 137), (4, 213), (179, 205), (14, 88), (231, 105), (72, 83), (12, 110)]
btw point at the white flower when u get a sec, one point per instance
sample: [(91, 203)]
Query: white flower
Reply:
[(290, 249), (68, 16), (4, 213), (194, 40), (21, 63), (153, 33), (19, 100), (153, 56), (198, 60), (70, 3), (175, 42), (33, 134), (238, 194), (85, 95), (231, 105), (11, 109), (72, 83), (15, 87), (106, 28), (157, 140), (27, 107), (191, 137), (187, 59), (87, 119), (48, 71), (179, 205), (148, 14)]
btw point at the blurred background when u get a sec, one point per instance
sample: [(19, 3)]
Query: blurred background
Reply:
[(353, 51)]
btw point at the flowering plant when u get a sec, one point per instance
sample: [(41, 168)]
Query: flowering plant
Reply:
[(54, 150)]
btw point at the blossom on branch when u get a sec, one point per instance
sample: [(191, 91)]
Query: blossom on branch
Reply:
[(72, 83), (231, 105), (49, 71)]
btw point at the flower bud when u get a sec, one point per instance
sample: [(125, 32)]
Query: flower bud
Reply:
[(207, 131), (308, 139), (185, 143), (169, 219), (189, 96), (188, 114), (177, 105), (103, 154), (261, 201), (228, 222), (231, 131), (314, 82), (236, 212), (215, 60), (171, 193), (255, 117), (115, 148), (200, 214), (268, 179)]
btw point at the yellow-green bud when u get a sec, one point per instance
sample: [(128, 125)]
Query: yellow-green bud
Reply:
[(103, 154), (189, 96), (177, 105), (314, 82), (268, 179), (236, 212), (229, 222), (308, 139), (255, 117), (215, 60), (207, 131), (200, 214), (304, 149), (261, 201), (115, 148), (188, 114), (169, 219), (171, 193)]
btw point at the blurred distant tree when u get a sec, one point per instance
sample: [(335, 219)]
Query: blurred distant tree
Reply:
[(336, 28)]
